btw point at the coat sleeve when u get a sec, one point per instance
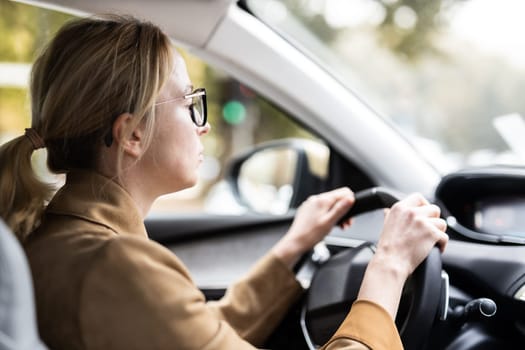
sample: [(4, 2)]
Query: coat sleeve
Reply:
[(138, 295), (367, 326), (256, 304)]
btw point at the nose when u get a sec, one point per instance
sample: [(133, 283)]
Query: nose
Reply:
[(203, 130)]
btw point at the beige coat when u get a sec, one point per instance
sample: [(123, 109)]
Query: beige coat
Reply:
[(100, 283)]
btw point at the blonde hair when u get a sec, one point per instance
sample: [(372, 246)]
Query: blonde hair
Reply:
[(92, 71)]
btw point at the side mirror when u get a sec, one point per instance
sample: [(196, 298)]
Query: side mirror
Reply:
[(277, 176)]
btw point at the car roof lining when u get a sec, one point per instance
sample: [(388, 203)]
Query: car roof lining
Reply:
[(176, 17)]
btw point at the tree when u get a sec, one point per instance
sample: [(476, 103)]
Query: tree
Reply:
[(24, 30), (405, 28)]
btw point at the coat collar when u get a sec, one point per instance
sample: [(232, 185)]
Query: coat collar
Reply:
[(90, 196)]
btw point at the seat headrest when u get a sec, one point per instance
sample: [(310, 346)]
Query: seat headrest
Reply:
[(18, 326)]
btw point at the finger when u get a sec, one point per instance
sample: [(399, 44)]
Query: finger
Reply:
[(415, 199), (341, 191), (430, 210), (340, 208), (439, 223), (346, 224), (439, 237), (332, 198), (338, 193), (442, 241)]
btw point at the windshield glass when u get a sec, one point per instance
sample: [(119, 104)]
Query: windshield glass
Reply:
[(448, 73)]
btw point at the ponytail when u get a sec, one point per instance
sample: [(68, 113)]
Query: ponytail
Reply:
[(93, 70), (22, 194)]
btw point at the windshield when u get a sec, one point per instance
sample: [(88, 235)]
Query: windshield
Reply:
[(448, 73)]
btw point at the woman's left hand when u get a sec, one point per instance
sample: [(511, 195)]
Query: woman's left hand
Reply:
[(313, 221)]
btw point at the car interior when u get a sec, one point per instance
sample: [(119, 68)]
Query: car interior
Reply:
[(471, 297), (309, 133)]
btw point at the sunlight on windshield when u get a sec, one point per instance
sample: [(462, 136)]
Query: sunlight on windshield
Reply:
[(446, 73), (494, 26)]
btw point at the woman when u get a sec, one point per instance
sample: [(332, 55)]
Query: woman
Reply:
[(113, 105)]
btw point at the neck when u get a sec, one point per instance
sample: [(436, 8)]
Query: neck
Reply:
[(135, 186), (139, 192)]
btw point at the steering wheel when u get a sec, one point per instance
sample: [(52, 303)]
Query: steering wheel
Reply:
[(336, 283)]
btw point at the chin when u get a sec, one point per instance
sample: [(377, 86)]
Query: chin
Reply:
[(190, 183), (179, 182)]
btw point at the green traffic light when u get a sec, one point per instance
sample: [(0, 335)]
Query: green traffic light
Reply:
[(234, 112)]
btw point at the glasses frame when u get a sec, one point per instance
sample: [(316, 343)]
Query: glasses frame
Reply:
[(195, 93), (108, 138)]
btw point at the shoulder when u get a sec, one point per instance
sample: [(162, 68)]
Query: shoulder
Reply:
[(136, 284), (137, 255), (135, 276)]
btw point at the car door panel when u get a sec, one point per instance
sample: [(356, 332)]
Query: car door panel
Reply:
[(218, 250)]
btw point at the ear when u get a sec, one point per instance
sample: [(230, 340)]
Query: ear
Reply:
[(129, 136)]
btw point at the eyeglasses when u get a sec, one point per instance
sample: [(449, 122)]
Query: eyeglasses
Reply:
[(198, 107), (198, 110)]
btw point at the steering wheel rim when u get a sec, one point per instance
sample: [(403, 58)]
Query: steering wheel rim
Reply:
[(416, 328), (422, 302)]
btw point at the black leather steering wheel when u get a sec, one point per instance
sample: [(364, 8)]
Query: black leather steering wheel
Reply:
[(336, 283)]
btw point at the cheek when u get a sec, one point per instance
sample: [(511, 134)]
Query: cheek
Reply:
[(176, 141)]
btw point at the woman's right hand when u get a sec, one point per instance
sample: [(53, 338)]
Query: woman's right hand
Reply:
[(411, 229)]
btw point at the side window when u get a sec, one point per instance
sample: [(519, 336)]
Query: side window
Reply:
[(24, 29), (240, 118)]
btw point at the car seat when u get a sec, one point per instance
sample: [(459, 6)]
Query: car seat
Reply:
[(18, 325)]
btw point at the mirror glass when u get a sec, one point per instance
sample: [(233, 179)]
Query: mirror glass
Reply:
[(269, 178), (266, 180)]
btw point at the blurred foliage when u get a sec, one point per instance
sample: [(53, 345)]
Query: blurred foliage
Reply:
[(403, 59), (24, 31), (414, 40), (15, 115), (315, 21), (407, 41)]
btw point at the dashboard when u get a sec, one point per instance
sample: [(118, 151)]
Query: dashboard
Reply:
[(503, 215), (485, 204), (485, 258)]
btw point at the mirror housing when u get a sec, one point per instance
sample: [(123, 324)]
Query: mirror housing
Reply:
[(277, 176)]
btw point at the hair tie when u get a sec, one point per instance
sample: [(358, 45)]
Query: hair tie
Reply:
[(35, 139)]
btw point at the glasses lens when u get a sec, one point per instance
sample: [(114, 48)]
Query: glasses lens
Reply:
[(198, 111), (199, 107)]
